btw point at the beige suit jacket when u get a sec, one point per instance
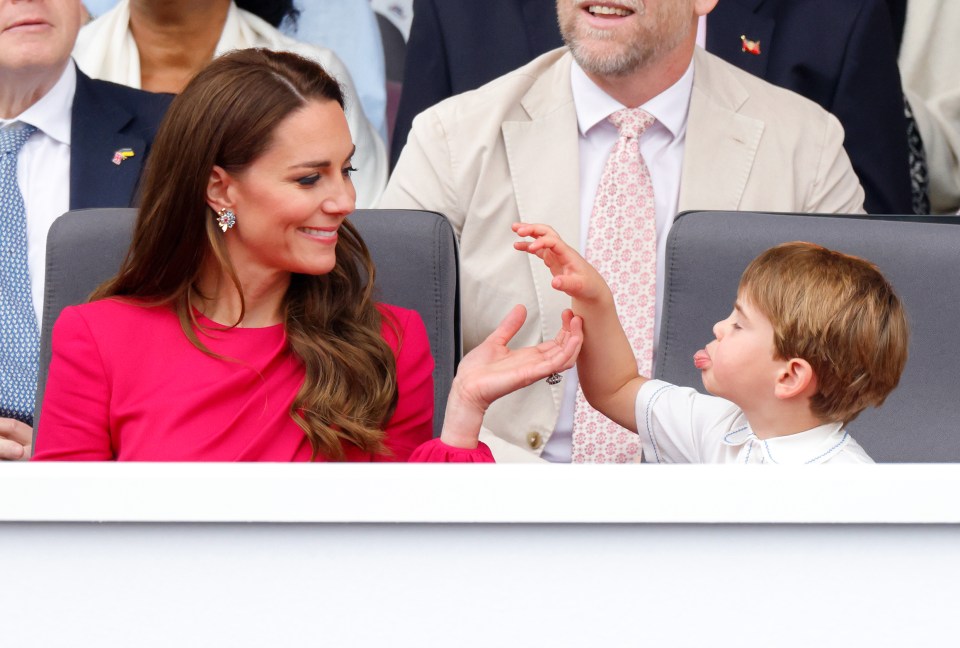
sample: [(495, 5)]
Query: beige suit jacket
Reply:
[(508, 152)]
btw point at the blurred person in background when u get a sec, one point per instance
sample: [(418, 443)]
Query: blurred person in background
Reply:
[(161, 46)]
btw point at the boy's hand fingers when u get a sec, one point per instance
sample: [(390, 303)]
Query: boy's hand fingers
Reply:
[(570, 284), (536, 230)]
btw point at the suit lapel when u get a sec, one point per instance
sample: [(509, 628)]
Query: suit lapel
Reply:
[(721, 144), (96, 135), (542, 153), (730, 20)]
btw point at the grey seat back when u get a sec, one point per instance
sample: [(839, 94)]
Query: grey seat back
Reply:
[(415, 254), (707, 252)]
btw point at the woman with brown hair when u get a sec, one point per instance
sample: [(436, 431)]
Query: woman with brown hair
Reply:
[(240, 327)]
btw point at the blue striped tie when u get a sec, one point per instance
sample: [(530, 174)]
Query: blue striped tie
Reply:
[(19, 337)]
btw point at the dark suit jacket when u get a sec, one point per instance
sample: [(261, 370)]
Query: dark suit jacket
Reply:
[(107, 117), (841, 54), (458, 45)]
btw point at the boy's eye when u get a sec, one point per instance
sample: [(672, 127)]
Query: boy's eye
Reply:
[(736, 326), (349, 171), (308, 180)]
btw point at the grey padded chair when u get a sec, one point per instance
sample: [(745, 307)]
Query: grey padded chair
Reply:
[(707, 252), (415, 254)]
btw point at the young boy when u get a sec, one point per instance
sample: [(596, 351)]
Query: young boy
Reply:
[(814, 338)]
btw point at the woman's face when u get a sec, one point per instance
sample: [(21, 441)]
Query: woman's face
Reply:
[(290, 201)]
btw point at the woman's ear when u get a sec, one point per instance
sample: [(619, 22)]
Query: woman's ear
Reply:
[(796, 379), (219, 193)]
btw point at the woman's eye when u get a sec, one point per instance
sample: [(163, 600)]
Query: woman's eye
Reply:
[(349, 171), (308, 180)]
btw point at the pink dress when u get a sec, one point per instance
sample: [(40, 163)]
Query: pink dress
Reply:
[(125, 383)]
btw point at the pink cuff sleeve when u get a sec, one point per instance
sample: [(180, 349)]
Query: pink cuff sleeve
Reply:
[(436, 451)]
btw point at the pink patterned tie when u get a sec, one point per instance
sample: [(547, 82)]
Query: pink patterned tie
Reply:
[(622, 245)]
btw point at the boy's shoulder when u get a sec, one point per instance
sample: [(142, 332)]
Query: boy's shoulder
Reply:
[(681, 425)]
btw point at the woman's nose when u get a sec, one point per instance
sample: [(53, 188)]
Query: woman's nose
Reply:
[(342, 202)]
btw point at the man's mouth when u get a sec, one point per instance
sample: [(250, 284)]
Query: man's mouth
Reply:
[(604, 11), (25, 24)]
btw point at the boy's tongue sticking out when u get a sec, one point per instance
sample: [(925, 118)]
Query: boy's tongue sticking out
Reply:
[(701, 359)]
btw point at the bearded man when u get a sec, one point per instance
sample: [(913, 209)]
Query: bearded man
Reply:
[(606, 140)]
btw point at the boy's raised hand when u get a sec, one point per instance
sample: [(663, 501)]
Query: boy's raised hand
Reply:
[(572, 273)]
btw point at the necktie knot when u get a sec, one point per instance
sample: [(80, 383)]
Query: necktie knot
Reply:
[(632, 122), (13, 139)]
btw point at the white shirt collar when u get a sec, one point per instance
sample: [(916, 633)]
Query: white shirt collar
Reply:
[(812, 446), (52, 114), (593, 105)]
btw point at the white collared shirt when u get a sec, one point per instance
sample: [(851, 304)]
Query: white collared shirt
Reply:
[(681, 425), (43, 172), (661, 146)]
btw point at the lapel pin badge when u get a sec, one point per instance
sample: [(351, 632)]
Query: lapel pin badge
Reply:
[(121, 155), (750, 46)]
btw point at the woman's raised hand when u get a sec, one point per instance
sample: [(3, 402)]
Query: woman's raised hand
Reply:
[(492, 370)]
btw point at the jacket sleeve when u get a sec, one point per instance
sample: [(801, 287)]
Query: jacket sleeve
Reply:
[(836, 188), (424, 176)]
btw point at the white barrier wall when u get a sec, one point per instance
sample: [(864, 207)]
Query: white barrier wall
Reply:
[(254, 555)]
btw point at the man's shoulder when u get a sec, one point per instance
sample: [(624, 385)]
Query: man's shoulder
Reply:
[(504, 96), (747, 93), (140, 103)]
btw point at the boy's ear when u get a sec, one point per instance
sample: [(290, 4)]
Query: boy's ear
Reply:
[(219, 193), (796, 379)]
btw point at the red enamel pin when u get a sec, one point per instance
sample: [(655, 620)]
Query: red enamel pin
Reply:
[(750, 46)]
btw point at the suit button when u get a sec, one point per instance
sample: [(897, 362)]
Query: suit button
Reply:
[(534, 440)]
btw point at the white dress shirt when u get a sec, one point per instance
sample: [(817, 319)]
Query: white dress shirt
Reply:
[(43, 173), (661, 146)]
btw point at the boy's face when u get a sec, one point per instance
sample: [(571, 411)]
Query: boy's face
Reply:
[(739, 365)]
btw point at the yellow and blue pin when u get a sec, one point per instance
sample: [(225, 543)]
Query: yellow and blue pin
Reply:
[(121, 155)]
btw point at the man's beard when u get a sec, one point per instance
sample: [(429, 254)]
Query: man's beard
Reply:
[(624, 57)]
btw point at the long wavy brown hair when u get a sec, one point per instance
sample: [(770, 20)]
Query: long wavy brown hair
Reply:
[(226, 116)]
